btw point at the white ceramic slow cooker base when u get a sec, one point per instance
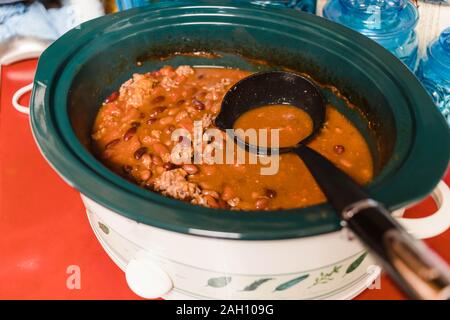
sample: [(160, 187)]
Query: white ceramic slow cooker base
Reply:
[(345, 293)]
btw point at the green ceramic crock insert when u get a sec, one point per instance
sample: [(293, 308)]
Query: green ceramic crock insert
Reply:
[(81, 68)]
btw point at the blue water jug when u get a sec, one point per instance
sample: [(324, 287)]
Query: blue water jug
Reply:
[(303, 5), (391, 23), (434, 72)]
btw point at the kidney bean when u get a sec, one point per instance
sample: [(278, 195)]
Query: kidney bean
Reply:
[(223, 204), (112, 97), (339, 149), (140, 152), (157, 161), (135, 124), (192, 91), (146, 160), (145, 174), (158, 99), (198, 104), (180, 102), (155, 111), (190, 168), (129, 134), (166, 120), (173, 111), (151, 121), (107, 154), (270, 193), (127, 169), (212, 193), (257, 194), (227, 193), (211, 202), (159, 170), (112, 143), (262, 204), (169, 166)]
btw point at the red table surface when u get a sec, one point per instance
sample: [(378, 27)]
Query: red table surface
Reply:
[(44, 228)]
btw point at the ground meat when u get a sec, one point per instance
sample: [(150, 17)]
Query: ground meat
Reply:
[(97, 135), (135, 90), (168, 83), (216, 91), (173, 183), (207, 120), (166, 157), (184, 71), (233, 202), (172, 78)]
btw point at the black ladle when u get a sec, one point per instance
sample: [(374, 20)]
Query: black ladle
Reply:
[(419, 272)]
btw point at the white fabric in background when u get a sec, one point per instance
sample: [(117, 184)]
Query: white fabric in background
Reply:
[(35, 21)]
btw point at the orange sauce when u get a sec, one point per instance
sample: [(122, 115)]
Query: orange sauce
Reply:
[(293, 124)]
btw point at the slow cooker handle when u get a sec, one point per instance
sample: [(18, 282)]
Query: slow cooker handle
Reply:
[(17, 49), (434, 224), (416, 269)]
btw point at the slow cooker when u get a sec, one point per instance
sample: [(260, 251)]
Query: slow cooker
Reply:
[(173, 249)]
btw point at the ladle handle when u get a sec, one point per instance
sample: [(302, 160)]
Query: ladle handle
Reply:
[(417, 270)]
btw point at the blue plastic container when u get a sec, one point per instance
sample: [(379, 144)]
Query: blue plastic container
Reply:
[(303, 5), (391, 23), (434, 72)]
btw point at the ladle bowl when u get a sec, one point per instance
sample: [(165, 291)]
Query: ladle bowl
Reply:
[(272, 88)]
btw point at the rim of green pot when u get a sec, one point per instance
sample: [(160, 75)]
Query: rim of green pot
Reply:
[(412, 180)]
